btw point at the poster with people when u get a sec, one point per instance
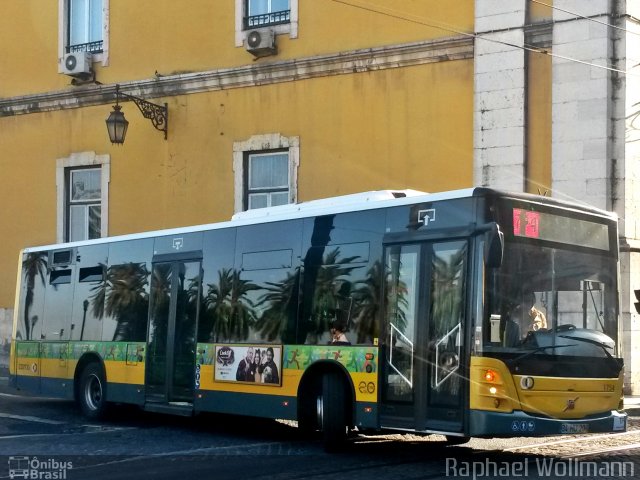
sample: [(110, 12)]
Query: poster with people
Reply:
[(258, 364)]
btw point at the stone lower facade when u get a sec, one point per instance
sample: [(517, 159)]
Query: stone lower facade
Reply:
[(594, 111)]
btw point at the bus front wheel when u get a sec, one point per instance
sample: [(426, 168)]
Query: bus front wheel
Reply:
[(92, 392), (332, 416)]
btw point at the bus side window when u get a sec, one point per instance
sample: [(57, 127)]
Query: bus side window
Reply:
[(218, 258), (128, 295), (57, 304), (34, 284), (266, 263), (88, 296), (127, 291)]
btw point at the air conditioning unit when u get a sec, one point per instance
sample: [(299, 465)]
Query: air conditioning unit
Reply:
[(261, 43), (77, 64)]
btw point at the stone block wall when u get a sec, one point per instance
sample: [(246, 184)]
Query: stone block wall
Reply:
[(499, 95)]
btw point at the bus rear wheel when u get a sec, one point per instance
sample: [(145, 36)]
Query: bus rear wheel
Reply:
[(92, 392), (331, 413)]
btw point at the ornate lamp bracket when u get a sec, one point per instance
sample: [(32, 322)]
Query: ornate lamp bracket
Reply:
[(158, 114)]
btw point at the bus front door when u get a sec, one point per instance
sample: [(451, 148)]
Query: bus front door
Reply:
[(422, 378), (171, 341)]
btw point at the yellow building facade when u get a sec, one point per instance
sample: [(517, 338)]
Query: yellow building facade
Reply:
[(370, 98), (356, 76)]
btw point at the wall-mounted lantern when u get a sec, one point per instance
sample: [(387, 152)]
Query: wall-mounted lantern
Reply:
[(117, 124)]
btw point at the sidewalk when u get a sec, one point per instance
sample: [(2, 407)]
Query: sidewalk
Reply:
[(632, 405)]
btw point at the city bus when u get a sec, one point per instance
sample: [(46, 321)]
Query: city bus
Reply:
[(470, 313)]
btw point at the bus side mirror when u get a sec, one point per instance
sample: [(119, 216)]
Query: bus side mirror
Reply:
[(493, 246)]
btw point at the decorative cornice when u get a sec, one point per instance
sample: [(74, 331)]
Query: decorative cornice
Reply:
[(356, 61), (539, 35)]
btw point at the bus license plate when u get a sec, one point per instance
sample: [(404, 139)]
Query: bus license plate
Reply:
[(574, 428)]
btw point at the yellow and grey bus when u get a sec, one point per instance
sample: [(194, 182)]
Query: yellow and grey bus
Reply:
[(471, 313)]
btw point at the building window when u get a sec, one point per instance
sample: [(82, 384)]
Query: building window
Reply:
[(260, 13), (83, 27), (267, 179), (82, 183), (265, 171), (279, 15), (84, 209)]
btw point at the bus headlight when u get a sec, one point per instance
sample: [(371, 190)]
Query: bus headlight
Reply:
[(490, 376)]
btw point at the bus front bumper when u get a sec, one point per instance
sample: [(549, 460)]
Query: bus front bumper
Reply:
[(521, 424)]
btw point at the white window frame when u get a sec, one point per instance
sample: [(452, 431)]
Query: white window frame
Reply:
[(63, 26), (264, 143), (291, 28), (76, 160)]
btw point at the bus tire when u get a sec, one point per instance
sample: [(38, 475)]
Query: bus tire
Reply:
[(332, 417), (306, 424), (92, 391), (307, 398)]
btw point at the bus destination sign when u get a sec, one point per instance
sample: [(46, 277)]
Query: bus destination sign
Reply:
[(526, 223), (561, 229)]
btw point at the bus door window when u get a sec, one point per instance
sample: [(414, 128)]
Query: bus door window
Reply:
[(403, 265), (187, 305), (160, 298), (175, 297), (448, 264)]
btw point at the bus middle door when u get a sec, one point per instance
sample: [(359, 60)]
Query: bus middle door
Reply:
[(171, 340), (422, 385)]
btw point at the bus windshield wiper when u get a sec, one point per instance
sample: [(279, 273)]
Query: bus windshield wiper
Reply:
[(604, 346), (592, 342), (517, 360)]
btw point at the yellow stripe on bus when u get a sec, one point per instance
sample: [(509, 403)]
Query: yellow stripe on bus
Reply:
[(27, 367), (116, 371), (365, 384), (123, 372)]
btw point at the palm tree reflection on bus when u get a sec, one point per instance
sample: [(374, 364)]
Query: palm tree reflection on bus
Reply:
[(122, 296), (234, 307), (228, 314), (34, 266)]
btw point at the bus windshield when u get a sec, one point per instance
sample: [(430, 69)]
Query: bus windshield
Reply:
[(553, 300)]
